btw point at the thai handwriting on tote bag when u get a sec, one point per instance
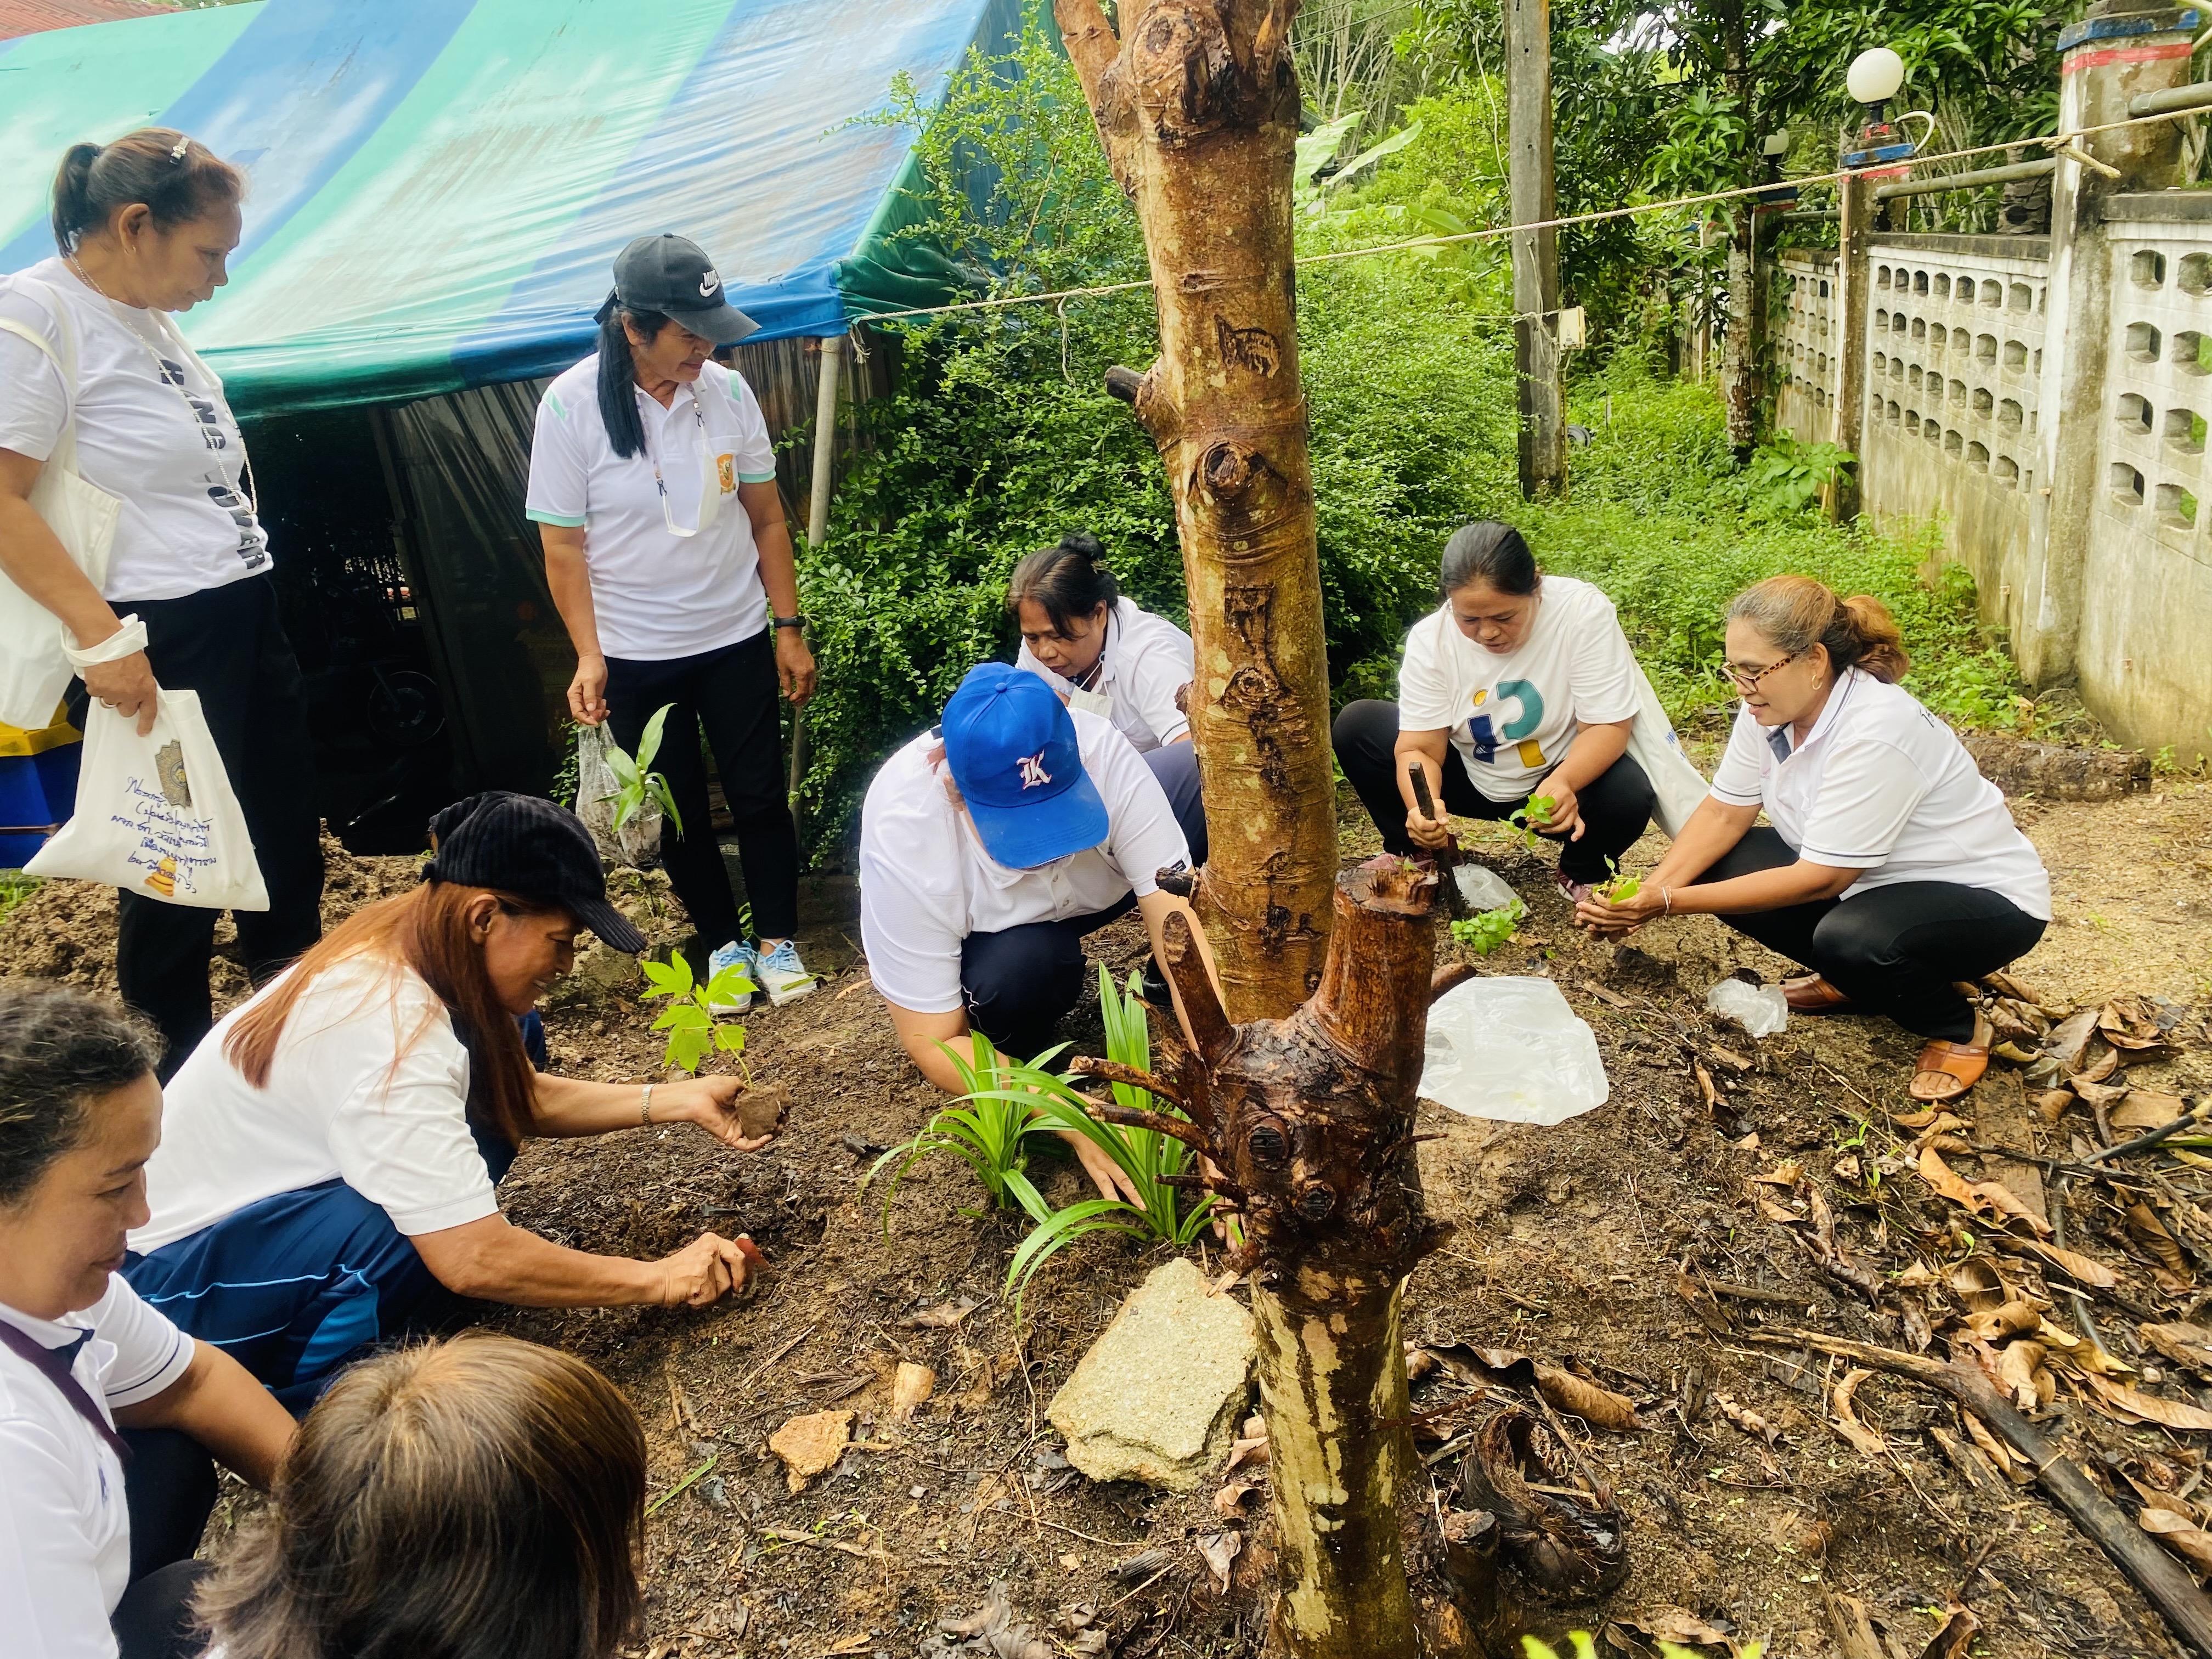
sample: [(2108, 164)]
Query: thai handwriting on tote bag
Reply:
[(155, 815)]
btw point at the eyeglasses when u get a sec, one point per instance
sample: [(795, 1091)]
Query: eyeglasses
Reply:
[(1748, 682)]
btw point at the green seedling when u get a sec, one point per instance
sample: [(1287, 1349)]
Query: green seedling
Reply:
[(1617, 889), (1538, 809), (688, 1020), (1484, 934), (1144, 1156), (635, 784), (983, 1129)]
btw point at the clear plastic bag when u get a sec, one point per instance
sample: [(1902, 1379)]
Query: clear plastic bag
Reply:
[(1761, 1010), (638, 843), (1509, 1049), (1482, 887)]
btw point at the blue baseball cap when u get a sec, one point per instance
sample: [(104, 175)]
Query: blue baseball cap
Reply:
[(1012, 748)]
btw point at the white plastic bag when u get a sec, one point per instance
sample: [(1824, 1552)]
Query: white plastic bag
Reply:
[(638, 843), (1761, 1010), (1679, 786), (155, 815), (33, 671), (1482, 887), (1509, 1049)]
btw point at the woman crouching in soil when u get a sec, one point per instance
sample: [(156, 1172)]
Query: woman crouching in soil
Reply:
[(1892, 869), (329, 1151)]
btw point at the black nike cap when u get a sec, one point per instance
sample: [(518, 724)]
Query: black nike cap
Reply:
[(673, 276)]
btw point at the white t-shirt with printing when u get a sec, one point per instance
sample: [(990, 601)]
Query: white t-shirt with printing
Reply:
[(658, 594), (370, 1082), (1146, 660), (153, 429), (65, 1528), (1883, 786), (926, 882), (1511, 716)]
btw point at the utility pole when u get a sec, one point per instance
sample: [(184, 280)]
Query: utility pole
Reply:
[(1536, 253)]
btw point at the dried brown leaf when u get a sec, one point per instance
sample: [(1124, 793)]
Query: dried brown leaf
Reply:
[(2099, 1096), (2146, 1108), (2183, 1537), (1782, 1175), (2068, 1040), (2017, 1367), (1746, 1420), (2082, 1269), (2148, 1230), (2129, 1023), (1979, 1197), (1978, 1285), (2184, 1343), (941, 1315), (1221, 1552), (1990, 1446), (2149, 1408), (1960, 1628), (1847, 1424)]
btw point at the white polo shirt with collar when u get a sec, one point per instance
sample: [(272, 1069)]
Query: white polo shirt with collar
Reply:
[(658, 594), (65, 1528), (1881, 785), (1146, 660), (927, 883)]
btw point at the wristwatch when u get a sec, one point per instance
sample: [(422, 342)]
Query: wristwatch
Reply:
[(788, 622)]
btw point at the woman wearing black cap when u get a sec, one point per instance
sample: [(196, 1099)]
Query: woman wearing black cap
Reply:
[(653, 482), (329, 1155)]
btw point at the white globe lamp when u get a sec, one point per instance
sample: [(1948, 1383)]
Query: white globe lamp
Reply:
[(1876, 74)]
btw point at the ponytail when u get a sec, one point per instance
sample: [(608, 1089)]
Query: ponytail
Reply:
[(177, 178), (1796, 613), (618, 374)]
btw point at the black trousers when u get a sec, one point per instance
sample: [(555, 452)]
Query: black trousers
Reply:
[(1616, 804), (1019, 981), (169, 1486), (732, 693), (1176, 766), (228, 645), (1893, 950)]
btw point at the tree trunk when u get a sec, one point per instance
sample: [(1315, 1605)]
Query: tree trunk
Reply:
[(1309, 1122), (1543, 452), (1739, 363), (1197, 105)]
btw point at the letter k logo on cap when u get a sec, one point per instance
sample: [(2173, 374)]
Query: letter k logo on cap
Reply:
[(1032, 770)]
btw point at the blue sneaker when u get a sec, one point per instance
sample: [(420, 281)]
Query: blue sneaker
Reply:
[(781, 974), (736, 954)]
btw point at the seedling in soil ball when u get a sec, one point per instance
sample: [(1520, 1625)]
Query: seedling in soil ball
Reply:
[(1617, 889), (1537, 810), (688, 1018), (1484, 934), (637, 785)]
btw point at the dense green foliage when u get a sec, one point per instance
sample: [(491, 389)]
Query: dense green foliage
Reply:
[(1000, 438)]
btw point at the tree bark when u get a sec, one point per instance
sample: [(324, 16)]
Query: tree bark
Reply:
[(1739, 363), (1536, 253), (1309, 1121), (1197, 105)]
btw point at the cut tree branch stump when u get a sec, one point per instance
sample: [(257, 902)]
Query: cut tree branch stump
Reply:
[(2165, 1581)]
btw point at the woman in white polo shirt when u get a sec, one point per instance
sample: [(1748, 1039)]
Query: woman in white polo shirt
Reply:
[(653, 482), (144, 226), (334, 1148), (1892, 869), (1102, 651), (108, 1412), (1521, 684), (989, 847)]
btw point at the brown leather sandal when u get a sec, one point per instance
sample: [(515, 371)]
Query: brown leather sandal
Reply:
[(1809, 993), (1947, 1070)]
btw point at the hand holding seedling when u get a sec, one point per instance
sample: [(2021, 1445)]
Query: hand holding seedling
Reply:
[(1542, 815), (1631, 904), (587, 690), (712, 1103)]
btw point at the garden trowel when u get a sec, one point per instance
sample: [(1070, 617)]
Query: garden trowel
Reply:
[(1472, 889)]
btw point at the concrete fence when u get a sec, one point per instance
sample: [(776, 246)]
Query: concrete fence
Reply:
[(2043, 400)]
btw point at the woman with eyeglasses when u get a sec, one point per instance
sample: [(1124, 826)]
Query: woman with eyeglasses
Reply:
[(1519, 686), (1891, 869), (90, 363), (653, 484)]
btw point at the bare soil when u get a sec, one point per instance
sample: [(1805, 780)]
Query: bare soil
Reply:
[(1568, 1248)]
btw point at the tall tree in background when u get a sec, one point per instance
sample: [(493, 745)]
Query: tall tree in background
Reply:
[(1301, 1093)]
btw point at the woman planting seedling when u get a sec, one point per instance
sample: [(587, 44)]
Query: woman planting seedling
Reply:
[(1518, 696), (1892, 869), (331, 1153), (989, 848)]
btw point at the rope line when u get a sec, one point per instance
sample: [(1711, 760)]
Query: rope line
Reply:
[(2059, 142)]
